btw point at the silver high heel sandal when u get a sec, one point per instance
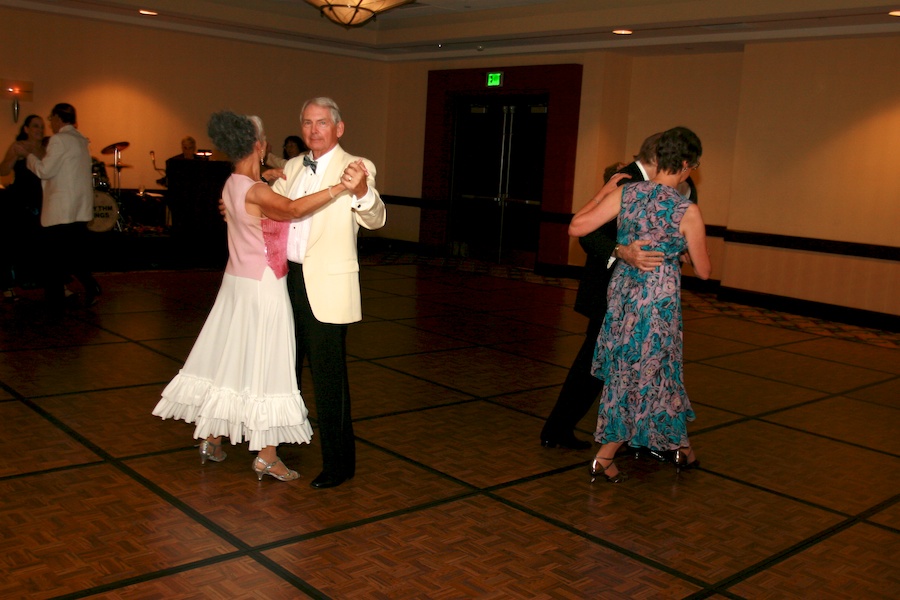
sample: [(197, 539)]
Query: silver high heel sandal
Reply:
[(682, 460), (208, 452), (598, 469), (261, 467)]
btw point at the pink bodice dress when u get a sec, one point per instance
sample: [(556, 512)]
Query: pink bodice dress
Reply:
[(239, 379)]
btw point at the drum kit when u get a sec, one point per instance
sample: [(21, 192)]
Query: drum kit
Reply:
[(106, 204)]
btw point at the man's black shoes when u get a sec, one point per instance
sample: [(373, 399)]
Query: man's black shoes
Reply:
[(328, 480)]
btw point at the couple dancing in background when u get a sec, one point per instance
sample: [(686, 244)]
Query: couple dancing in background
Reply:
[(21, 225), (54, 181), (289, 290), (635, 344)]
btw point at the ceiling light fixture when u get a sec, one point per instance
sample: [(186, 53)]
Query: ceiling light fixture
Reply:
[(148, 13), (895, 13), (354, 13), (622, 31)]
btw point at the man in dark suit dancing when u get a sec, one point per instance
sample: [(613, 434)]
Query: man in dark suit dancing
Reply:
[(580, 389)]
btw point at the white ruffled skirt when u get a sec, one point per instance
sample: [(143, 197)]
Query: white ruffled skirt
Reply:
[(239, 379)]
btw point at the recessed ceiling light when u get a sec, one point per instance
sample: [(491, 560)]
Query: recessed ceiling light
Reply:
[(895, 13), (622, 31), (148, 13)]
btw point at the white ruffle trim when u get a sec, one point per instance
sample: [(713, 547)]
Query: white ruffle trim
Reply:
[(241, 416)]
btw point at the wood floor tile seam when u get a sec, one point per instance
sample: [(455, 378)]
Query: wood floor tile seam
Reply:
[(408, 411), (291, 578), (114, 388), (785, 554), (121, 342), (178, 360), (779, 381), (761, 418), (152, 575), (163, 452), (541, 417), (350, 525), (16, 396), (189, 511), (761, 488), (505, 350), (580, 464), (609, 545), (525, 340), (28, 474), (709, 593), (724, 354), (418, 464), (761, 415), (891, 374), (706, 302), (149, 485), (830, 438), (371, 359), (469, 343), (420, 378), (878, 508), (869, 385)]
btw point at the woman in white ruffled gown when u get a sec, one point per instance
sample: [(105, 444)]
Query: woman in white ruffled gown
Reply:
[(239, 380)]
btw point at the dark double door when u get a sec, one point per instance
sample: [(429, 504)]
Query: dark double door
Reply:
[(497, 178)]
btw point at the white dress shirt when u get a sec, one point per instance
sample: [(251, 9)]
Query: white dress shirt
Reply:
[(308, 183)]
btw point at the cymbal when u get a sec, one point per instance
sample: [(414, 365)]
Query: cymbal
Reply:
[(118, 166), (111, 149)]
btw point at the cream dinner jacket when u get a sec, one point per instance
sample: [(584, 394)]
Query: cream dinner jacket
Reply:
[(331, 265), (65, 173)]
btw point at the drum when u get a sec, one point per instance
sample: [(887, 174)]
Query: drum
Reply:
[(106, 212)]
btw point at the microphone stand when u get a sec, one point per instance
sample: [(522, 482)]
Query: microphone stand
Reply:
[(162, 180)]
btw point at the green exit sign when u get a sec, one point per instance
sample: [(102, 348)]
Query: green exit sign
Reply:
[(495, 79)]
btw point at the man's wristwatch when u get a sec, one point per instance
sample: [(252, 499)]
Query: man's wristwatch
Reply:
[(613, 256)]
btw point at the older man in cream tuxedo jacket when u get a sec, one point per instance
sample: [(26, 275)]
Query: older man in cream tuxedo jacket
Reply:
[(323, 274)]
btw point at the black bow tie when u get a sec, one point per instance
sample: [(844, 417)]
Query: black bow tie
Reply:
[(308, 162)]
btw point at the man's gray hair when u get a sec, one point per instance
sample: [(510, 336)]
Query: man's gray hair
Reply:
[(324, 102)]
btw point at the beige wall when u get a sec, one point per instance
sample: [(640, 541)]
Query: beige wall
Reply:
[(152, 87), (800, 138), (816, 155), (818, 141)]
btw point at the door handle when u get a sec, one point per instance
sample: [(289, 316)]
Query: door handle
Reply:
[(523, 201)]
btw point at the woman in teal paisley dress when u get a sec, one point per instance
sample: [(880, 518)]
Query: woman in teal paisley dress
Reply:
[(639, 350)]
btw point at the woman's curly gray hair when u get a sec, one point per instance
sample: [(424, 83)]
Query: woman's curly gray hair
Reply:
[(234, 135)]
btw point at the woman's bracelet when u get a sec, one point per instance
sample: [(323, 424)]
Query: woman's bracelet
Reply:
[(330, 193)]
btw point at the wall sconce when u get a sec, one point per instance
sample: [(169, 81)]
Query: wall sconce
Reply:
[(19, 91), (354, 13)]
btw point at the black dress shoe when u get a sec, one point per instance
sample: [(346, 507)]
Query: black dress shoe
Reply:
[(573, 443), (327, 480)]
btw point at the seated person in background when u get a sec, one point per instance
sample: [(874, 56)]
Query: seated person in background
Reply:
[(188, 152), (293, 146), (188, 149)]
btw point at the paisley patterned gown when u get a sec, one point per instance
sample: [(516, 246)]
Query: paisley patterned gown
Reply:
[(639, 349)]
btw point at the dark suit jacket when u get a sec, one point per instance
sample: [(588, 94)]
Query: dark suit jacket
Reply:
[(599, 245)]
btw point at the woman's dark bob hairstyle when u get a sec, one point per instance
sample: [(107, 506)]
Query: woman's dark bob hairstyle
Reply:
[(677, 146)]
